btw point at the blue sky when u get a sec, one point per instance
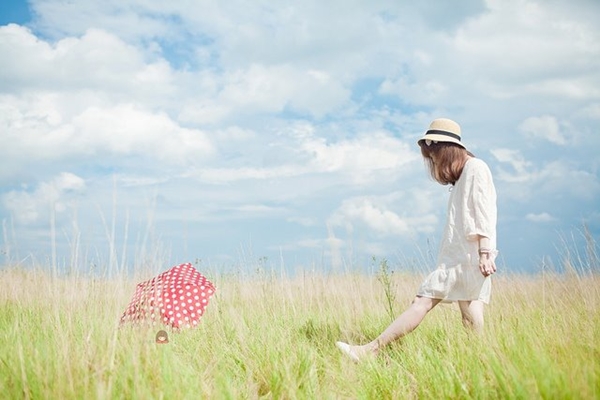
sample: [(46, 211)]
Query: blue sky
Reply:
[(270, 134)]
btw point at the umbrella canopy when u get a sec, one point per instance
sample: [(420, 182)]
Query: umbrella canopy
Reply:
[(176, 298)]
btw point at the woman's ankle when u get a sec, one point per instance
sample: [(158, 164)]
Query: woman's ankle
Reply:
[(372, 347)]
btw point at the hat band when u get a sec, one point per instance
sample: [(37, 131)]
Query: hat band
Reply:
[(444, 133)]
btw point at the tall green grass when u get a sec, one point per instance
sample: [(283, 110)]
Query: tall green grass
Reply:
[(267, 337)]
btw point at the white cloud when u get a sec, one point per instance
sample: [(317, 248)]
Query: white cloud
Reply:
[(542, 217), (545, 127), (565, 178), (358, 160), (57, 194), (87, 63), (565, 47), (245, 110), (521, 168), (73, 63), (304, 244), (132, 20), (271, 89), (429, 92), (125, 129), (552, 178), (362, 157), (378, 219), (377, 214), (37, 127), (591, 111), (304, 221)]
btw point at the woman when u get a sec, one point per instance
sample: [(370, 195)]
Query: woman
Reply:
[(468, 247)]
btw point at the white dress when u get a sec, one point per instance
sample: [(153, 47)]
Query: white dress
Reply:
[(471, 212)]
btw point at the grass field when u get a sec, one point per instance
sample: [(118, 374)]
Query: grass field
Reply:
[(267, 337)]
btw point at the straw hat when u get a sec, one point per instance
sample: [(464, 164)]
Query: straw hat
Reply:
[(443, 130)]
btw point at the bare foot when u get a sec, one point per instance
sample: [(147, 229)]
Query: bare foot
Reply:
[(355, 353)]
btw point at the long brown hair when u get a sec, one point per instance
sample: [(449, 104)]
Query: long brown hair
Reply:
[(450, 160)]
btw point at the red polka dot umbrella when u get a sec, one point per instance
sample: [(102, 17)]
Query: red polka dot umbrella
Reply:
[(176, 298)]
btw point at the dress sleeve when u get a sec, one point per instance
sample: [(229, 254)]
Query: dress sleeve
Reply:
[(481, 212)]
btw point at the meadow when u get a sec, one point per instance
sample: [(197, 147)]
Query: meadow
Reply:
[(266, 335)]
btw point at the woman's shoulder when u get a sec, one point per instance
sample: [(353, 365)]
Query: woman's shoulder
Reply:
[(475, 163), (477, 167)]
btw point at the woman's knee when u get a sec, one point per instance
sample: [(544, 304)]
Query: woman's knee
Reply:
[(472, 315), (473, 322), (424, 304)]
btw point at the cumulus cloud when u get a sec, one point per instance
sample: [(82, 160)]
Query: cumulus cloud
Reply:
[(379, 214), (562, 48), (37, 127), (561, 177), (360, 157), (125, 129), (271, 89), (520, 168), (545, 127), (591, 111), (429, 92), (358, 160), (552, 178), (133, 20), (56, 195), (278, 110), (541, 217), (380, 220), (75, 63)]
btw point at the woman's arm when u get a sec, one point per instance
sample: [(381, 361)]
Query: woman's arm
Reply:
[(487, 265)]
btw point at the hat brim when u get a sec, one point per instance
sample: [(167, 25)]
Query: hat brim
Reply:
[(441, 138)]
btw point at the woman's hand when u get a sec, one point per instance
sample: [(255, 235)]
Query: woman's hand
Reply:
[(487, 266), (487, 255)]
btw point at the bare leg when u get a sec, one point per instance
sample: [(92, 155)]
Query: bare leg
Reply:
[(472, 314), (404, 324)]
